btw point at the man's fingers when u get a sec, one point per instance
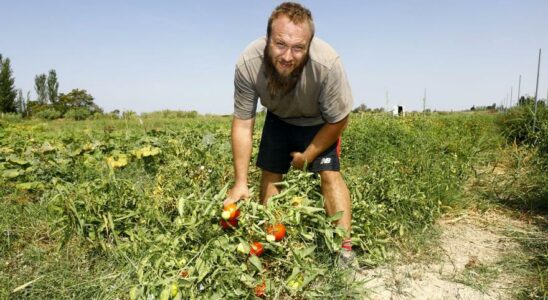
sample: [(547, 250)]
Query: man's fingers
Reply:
[(228, 201), (236, 194)]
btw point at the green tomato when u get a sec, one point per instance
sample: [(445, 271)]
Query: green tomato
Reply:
[(174, 289), (243, 248), (133, 293), (270, 238), (165, 293)]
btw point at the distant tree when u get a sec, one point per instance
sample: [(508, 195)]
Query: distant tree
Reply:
[(115, 114), (20, 103), (27, 100), (361, 108), (378, 110), (32, 106), (53, 87), (7, 88), (526, 100), (41, 88), (77, 99), (48, 113)]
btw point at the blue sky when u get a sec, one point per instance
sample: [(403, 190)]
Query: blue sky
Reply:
[(149, 56)]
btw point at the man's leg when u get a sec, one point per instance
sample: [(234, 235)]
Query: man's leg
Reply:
[(268, 189), (337, 198)]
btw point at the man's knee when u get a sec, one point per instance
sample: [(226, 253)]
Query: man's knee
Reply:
[(270, 177), (268, 187), (329, 178)]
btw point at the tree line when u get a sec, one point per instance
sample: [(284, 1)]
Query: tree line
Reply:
[(49, 103)]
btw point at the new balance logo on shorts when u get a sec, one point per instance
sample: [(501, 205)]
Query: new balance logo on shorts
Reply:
[(325, 161)]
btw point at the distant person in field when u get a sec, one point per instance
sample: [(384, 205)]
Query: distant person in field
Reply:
[(301, 81)]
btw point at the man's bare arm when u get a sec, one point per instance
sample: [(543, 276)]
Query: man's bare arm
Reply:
[(242, 145), (326, 137)]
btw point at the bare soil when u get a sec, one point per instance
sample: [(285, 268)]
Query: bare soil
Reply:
[(468, 263)]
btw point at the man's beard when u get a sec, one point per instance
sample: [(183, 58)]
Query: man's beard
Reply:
[(277, 84)]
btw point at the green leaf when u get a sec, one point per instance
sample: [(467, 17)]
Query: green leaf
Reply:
[(256, 262), (307, 251), (181, 204), (309, 277), (203, 268), (335, 217), (46, 147), (146, 151), (110, 221), (216, 296), (30, 186), (5, 150), (247, 280), (222, 193), (311, 209), (308, 235), (165, 293), (11, 173), (18, 160)]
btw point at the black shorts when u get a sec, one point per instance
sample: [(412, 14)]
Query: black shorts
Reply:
[(279, 139)]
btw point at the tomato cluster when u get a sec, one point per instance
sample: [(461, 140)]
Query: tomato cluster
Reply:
[(229, 224), (276, 232), (230, 212), (229, 216), (229, 220)]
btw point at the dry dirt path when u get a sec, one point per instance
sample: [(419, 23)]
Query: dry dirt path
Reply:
[(471, 262)]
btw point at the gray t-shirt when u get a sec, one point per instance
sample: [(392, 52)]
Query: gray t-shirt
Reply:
[(321, 95)]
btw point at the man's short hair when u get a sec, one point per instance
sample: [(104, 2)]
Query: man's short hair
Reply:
[(296, 14)]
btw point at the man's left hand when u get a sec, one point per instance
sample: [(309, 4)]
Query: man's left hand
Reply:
[(299, 160)]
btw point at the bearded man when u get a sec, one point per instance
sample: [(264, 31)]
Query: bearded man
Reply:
[(301, 81)]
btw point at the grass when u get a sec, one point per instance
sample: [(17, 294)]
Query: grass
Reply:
[(532, 264), (522, 272), (479, 277), (516, 183), (95, 232)]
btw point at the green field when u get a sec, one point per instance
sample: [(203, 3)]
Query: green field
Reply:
[(122, 208)]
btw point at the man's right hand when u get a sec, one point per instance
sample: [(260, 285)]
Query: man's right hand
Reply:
[(242, 145), (236, 193)]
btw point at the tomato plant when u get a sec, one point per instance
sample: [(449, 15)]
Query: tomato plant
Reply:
[(150, 192)]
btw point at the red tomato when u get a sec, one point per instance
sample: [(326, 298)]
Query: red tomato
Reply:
[(230, 212), (257, 249), (277, 231), (230, 224), (260, 290), (183, 274)]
